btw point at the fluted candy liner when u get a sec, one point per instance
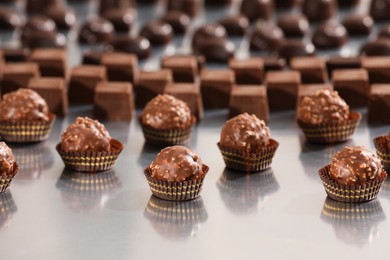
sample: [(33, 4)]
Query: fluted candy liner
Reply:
[(91, 161), (383, 151), (26, 131), (241, 160), (175, 190), (167, 137), (6, 178), (350, 193), (331, 133)]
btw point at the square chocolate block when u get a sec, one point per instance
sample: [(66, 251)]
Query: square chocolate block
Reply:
[(337, 63), (189, 93), (53, 91), (120, 66), (352, 86), (379, 104), (251, 99), (282, 89), (83, 82), (92, 57), (249, 71), (378, 69), (216, 86), (15, 55), (150, 84), (52, 62), (311, 89), (114, 101), (312, 69), (272, 63), (184, 68), (17, 75)]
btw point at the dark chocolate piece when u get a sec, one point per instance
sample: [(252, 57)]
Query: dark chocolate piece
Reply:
[(272, 63), (184, 68), (96, 30), (378, 103), (378, 69), (15, 55), (347, 3), (122, 19), (384, 32), (9, 19), (7, 159), (266, 37), (52, 62), (380, 10), (120, 66), (53, 91), (63, 17), (293, 25), (36, 6), (248, 72), (379, 47), (251, 99), (157, 32), (352, 85), (17, 75), (83, 81), (114, 101), (218, 2), (319, 10), (206, 32), (92, 57), (312, 69), (330, 35), (216, 50), (257, 9), (106, 5), (359, 25), (216, 86), (311, 89), (139, 46), (295, 48), (339, 62), (39, 23), (282, 89), (191, 7), (285, 4), (235, 25), (179, 21)]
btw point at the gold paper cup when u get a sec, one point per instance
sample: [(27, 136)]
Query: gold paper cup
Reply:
[(350, 193), (331, 133), (383, 151), (167, 137), (175, 190), (26, 131), (5, 179), (91, 161), (240, 160)]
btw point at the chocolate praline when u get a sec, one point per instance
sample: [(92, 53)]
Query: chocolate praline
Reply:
[(359, 25), (178, 20), (295, 48), (157, 32), (122, 19), (206, 32), (63, 17), (380, 10), (23, 105), (355, 165), (325, 107), (7, 160), (235, 25), (257, 9), (96, 30), (293, 25), (330, 35), (216, 50), (9, 19), (384, 32), (42, 39), (266, 37), (319, 10), (379, 47), (85, 134), (177, 163), (388, 139), (138, 45), (245, 132)]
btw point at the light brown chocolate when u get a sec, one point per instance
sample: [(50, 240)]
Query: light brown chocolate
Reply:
[(7, 160)]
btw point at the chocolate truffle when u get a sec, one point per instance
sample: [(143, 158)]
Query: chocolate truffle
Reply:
[(157, 32), (206, 32), (9, 19), (245, 132), (96, 30), (266, 37), (319, 10), (293, 25), (216, 50), (359, 25), (355, 166), (257, 9), (295, 48), (190, 7), (7, 159), (122, 19), (23, 105), (384, 32), (166, 112), (177, 163), (235, 25), (330, 35), (179, 21), (388, 139), (116, 4), (379, 47), (139, 46), (380, 10), (325, 107), (84, 135), (64, 18)]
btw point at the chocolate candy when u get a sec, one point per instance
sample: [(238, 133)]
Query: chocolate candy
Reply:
[(359, 25), (380, 10), (207, 32), (319, 10), (355, 166), (245, 132), (257, 9), (166, 112), (184, 68), (282, 89), (96, 30), (216, 86), (266, 37), (106, 5), (325, 107), (284, 4), (92, 57), (85, 134), (293, 25), (23, 105), (384, 32), (338, 62), (9, 19), (312, 69), (218, 2), (157, 32), (330, 35), (235, 25), (63, 17), (15, 54), (310, 90), (177, 163), (378, 69), (191, 7), (216, 50), (17, 75), (248, 71), (379, 47), (347, 3), (179, 21), (120, 66), (7, 160), (36, 6), (272, 63), (52, 62), (295, 48), (139, 46), (378, 102), (122, 19)]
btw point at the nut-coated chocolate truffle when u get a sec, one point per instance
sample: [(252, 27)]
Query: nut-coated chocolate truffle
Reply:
[(7, 159), (266, 37), (85, 134), (177, 163), (355, 165), (23, 105), (246, 132), (166, 112), (388, 139), (157, 32), (330, 35), (96, 30), (324, 107), (319, 10), (139, 46), (9, 19)]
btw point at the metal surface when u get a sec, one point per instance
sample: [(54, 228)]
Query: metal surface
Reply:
[(282, 213)]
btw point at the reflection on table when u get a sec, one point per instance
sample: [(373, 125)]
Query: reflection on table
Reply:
[(241, 192), (354, 223), (174, 219), (7, 209)]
